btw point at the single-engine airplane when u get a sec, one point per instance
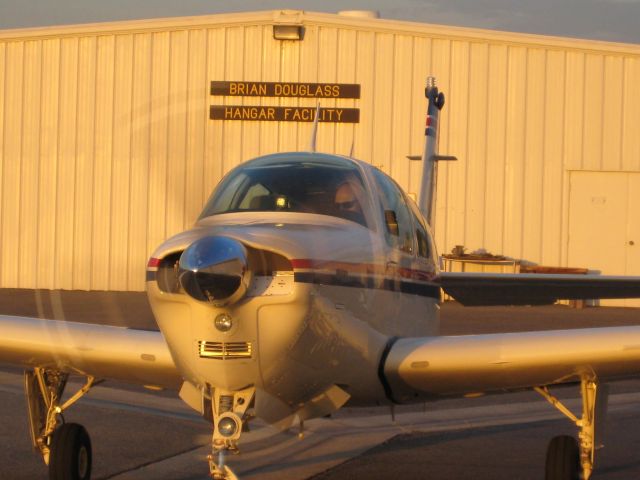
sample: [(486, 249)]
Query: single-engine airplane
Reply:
[(310, 281)]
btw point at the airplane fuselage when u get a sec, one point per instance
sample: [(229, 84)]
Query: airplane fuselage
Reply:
[(325, 295)]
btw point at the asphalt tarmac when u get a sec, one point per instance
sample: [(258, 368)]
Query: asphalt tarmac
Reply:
[(138, 434)]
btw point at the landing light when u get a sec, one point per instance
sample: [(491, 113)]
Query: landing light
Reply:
[(228, 426), (223, 322)]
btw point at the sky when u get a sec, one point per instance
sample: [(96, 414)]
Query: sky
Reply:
[(609, 20)]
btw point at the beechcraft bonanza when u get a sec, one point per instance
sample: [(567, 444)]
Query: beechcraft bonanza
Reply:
[(310, 282)]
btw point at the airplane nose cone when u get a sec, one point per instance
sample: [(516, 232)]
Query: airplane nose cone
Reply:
[(215, 270)]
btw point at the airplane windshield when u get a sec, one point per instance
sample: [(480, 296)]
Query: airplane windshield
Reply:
[(334, 189)]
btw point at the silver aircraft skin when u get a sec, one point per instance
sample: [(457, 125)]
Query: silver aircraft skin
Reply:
[(325, 294), (309, 282)]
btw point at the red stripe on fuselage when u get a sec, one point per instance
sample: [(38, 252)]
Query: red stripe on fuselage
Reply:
[(362, 269), (153, 264)]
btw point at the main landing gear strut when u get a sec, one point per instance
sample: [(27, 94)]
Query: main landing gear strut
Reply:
[(229, 418), (65, 447), (568, 459)]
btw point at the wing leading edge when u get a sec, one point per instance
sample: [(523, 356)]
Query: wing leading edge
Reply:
[(134, 356), (482, 289), (458, 365)]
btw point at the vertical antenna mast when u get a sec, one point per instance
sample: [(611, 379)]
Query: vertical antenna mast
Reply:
[(314, 132), (430, 157)]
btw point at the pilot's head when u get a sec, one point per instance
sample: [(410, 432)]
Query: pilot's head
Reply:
[(347, 203)]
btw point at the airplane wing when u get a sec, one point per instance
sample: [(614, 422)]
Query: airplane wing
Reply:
[(118, 353), (475, 289), (469, 364)]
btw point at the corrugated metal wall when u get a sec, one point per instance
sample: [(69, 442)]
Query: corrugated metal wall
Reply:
[(106, 146)]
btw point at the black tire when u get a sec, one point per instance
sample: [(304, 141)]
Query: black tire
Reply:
[(563, 459), (70, 457)]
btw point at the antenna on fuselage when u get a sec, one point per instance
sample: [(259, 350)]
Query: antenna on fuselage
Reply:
[(314, 131), (430, 157)]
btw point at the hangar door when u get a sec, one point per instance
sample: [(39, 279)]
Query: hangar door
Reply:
[(604, 224)]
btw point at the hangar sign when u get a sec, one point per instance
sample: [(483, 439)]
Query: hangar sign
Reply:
[(283, 114), (267, 113), (286, 89)]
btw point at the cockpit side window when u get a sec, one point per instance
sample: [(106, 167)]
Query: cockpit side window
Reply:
[(396, 214), (423, 243), (311, 187)]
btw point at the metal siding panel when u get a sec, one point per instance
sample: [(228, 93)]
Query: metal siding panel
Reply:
[(196, 118), (515, 151), (365, 76), (346, 73), (29, 214), (574, 117), (612, 113), (383, 103), (309, 59), (252, 72), (458, 109), (176, 168), (289, 69), (631, 115), (496, 148), (120, 181), (327, 73), (477, 147), (271, 72), (103, 169), (85, 157), (140, 159), (67, 129), (234, 70), (418, 108), (214, 130), (401, 110), (12, 164), (158, 139), (554, 172), (533, 161), (593, 113), (46, 252)]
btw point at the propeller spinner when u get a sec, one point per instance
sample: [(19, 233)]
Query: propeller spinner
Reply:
[(215, 270)]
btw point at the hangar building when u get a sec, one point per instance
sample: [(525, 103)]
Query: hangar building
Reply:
[(113, 135)]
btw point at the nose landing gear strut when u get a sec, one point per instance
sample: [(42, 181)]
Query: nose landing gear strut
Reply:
[(229, 416)]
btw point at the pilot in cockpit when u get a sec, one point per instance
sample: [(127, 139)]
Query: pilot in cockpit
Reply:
[(347, 203)]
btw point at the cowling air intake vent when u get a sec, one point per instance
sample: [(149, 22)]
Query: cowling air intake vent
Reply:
[(225, 350)]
